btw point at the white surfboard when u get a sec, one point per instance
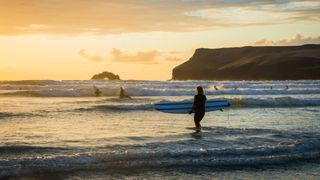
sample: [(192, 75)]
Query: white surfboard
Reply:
[(184, 107)]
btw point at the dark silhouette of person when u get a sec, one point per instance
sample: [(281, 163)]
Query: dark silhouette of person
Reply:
[(97, 91), (215, 87), (198, 107), (123, 94)]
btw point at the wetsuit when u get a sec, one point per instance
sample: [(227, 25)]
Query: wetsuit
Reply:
[(199, 108), (123, 94)]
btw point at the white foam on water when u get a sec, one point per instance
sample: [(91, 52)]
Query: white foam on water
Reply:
[(160, 88), (146, 157)]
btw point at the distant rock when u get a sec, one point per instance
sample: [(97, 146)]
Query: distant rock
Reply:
[(105, 76), (252, 63)]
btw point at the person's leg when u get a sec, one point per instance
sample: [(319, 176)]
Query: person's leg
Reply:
[(201, 117), (197, 118), (196, 121)]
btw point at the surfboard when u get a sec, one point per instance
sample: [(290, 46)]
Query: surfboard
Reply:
[(184, 107)]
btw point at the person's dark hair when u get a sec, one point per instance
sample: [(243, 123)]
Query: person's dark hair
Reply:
[(200, 90)]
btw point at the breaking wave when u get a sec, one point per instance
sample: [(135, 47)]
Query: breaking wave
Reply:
[(164, 155), (108, 105), (238, 102), (5, 115), (89, 92), (119, 107), (273, 102), (50, 88)]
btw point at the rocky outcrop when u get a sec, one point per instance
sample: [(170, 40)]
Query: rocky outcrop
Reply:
[(105, 76), (252, 63)]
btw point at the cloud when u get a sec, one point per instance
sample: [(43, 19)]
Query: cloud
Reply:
[(297, 40), (71, 17), (173, 58), (261, 13), (89, 57), (141, 57)]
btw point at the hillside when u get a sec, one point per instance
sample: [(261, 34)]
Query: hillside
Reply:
[(252, 63)]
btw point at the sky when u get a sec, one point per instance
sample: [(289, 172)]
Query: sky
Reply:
[(139, 39)]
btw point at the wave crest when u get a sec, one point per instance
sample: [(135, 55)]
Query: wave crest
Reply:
[(159, 158)]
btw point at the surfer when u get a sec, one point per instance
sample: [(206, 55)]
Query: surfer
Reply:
[(123, 94), (97, 91), (198, 107)]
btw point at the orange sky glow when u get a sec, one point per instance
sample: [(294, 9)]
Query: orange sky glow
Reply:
[(141, 39)]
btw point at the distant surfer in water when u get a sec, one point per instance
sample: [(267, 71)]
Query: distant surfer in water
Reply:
[(123, 94), (198, 107), (97, 91)]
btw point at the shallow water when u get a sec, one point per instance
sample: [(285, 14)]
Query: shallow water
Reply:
[(53, 128)]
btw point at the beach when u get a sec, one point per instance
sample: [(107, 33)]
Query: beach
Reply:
[(61, 129)]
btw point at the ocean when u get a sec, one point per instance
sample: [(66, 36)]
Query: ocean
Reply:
[(61, 130)]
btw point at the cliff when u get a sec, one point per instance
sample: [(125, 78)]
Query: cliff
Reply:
[(105, 75), (252, 63)]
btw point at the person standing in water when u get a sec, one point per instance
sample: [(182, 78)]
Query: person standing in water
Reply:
[(97, 91), (123, 94), (198, 107)]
